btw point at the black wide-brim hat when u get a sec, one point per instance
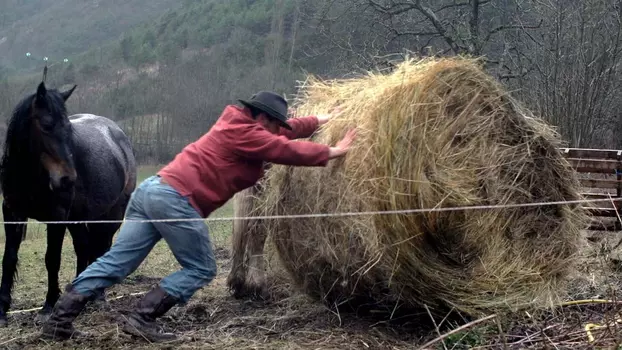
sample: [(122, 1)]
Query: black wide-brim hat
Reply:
[(272, 104)]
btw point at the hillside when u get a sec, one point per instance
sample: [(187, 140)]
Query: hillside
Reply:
[(240, 28), (65, 28), (185, 63)]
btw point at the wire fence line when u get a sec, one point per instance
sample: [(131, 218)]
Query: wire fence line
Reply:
[(336, 214), (322, 215)]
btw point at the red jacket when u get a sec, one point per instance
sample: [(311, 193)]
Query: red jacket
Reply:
[(230, 157)]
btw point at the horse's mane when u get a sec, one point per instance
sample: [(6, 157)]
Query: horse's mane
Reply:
[(18, 161)]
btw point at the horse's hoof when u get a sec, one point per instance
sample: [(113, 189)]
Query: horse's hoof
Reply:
[(256, 287), (250, 291), (3, 321), (259, 294), (236, 286)]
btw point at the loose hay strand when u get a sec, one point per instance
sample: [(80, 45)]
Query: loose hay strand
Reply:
[(433, 133)]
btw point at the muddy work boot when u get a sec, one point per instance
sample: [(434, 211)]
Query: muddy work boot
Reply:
[(141, 322), (98, 303), (59, 326)]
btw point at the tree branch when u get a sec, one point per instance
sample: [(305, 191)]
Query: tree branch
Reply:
[(445, 7), (438, 25), (395, 9), (512, 26)]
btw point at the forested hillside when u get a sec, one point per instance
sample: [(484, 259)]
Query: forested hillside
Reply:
[(63, 28), (166, 80)]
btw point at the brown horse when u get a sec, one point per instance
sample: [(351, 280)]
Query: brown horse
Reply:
[(248, 276)]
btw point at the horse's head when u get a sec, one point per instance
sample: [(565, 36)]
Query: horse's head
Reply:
[(51, 131)]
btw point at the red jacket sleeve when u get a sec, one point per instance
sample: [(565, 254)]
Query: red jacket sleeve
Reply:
[(257, 143), (303, 127)]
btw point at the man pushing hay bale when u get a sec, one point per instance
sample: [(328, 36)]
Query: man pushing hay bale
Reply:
[(431, 134)]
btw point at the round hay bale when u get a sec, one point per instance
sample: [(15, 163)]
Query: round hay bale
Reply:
[(435, 133)]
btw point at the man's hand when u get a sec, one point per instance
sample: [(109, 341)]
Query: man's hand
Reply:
[(342, 147), (323, 118)]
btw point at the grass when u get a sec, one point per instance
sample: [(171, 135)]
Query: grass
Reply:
[(32, 253), (215, 320)]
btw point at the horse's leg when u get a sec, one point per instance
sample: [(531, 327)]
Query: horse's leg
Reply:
[(84, 242), (14, 234), (100, 238), (102, 234), (256, 273), (55, 236), (239, 237), (247, 240), (79, 237), (105, 232)]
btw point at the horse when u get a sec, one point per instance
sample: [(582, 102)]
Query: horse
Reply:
[(61, 168), (247, 277)]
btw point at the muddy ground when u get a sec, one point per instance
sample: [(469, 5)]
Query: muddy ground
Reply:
[(215, 320)]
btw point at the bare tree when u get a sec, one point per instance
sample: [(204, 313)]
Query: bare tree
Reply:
[(371, 29), (561, 57), (576, 79)]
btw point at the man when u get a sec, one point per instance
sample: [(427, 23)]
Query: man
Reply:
[(203, 177)]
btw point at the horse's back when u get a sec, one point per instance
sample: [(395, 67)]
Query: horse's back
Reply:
[(104, 159), (100, 134), (97, 125)]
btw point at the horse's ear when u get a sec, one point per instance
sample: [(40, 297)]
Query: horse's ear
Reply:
[(68, 93), (40, 96), (41, 90)]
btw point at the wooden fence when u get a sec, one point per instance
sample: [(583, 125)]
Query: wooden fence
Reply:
[(600, 172)]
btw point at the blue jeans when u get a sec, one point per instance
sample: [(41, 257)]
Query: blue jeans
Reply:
[(188, 240)]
